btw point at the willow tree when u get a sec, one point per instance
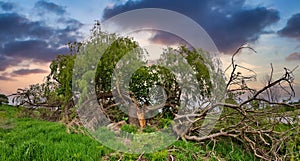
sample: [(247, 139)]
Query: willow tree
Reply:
[(125, 81), (125, 84), (61, 77)]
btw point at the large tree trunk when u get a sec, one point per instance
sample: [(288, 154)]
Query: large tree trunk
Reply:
[(132, 116), (137, 117), (141, 117)]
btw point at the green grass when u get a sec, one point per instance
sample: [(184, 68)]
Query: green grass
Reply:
[(29, 139), (23, 138)]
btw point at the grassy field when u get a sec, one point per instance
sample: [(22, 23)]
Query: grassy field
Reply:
[(24, 138)]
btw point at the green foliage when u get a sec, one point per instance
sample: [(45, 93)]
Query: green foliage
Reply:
[(61, 72), (197, 62), (149, 129), (55, 92), (146, 78), (229, 150), (61, 76), (109, 60), (86, 62), (30, 139), (157, 156), (104, 133), (30, 149), (188, 151), (145, 81), (164, 123), (113, 51), (40, 113), (129, 128), (230, 99)]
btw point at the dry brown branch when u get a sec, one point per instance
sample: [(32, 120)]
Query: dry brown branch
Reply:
[(253, 121)]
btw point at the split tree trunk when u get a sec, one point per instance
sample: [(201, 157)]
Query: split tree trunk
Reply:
[(132, 116), (137, 117)]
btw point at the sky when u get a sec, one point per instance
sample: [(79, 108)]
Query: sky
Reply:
[(33, 32)]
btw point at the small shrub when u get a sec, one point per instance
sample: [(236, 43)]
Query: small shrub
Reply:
[(129, 128), (164, 123), (149, 129), (161, 155)]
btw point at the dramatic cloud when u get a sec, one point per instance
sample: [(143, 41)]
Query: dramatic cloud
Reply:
[(292, 29), (46, 7), (28, 71), (14, 26), (6, 62), (293, 57), (32, 49), (6, 6), (229, 23), (24, 39), (166, 38), (4, 78)]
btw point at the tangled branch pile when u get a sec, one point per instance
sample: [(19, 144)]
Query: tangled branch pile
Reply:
[(255, 117)]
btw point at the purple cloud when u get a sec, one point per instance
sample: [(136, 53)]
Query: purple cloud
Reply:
[(22, 38), (229, 23), (292, 28), (166, 38), (28, 71), (37, 50), (293, 57), (4, 78)]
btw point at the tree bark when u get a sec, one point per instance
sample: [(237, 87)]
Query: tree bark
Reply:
[(132, 116), (141, 116)]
